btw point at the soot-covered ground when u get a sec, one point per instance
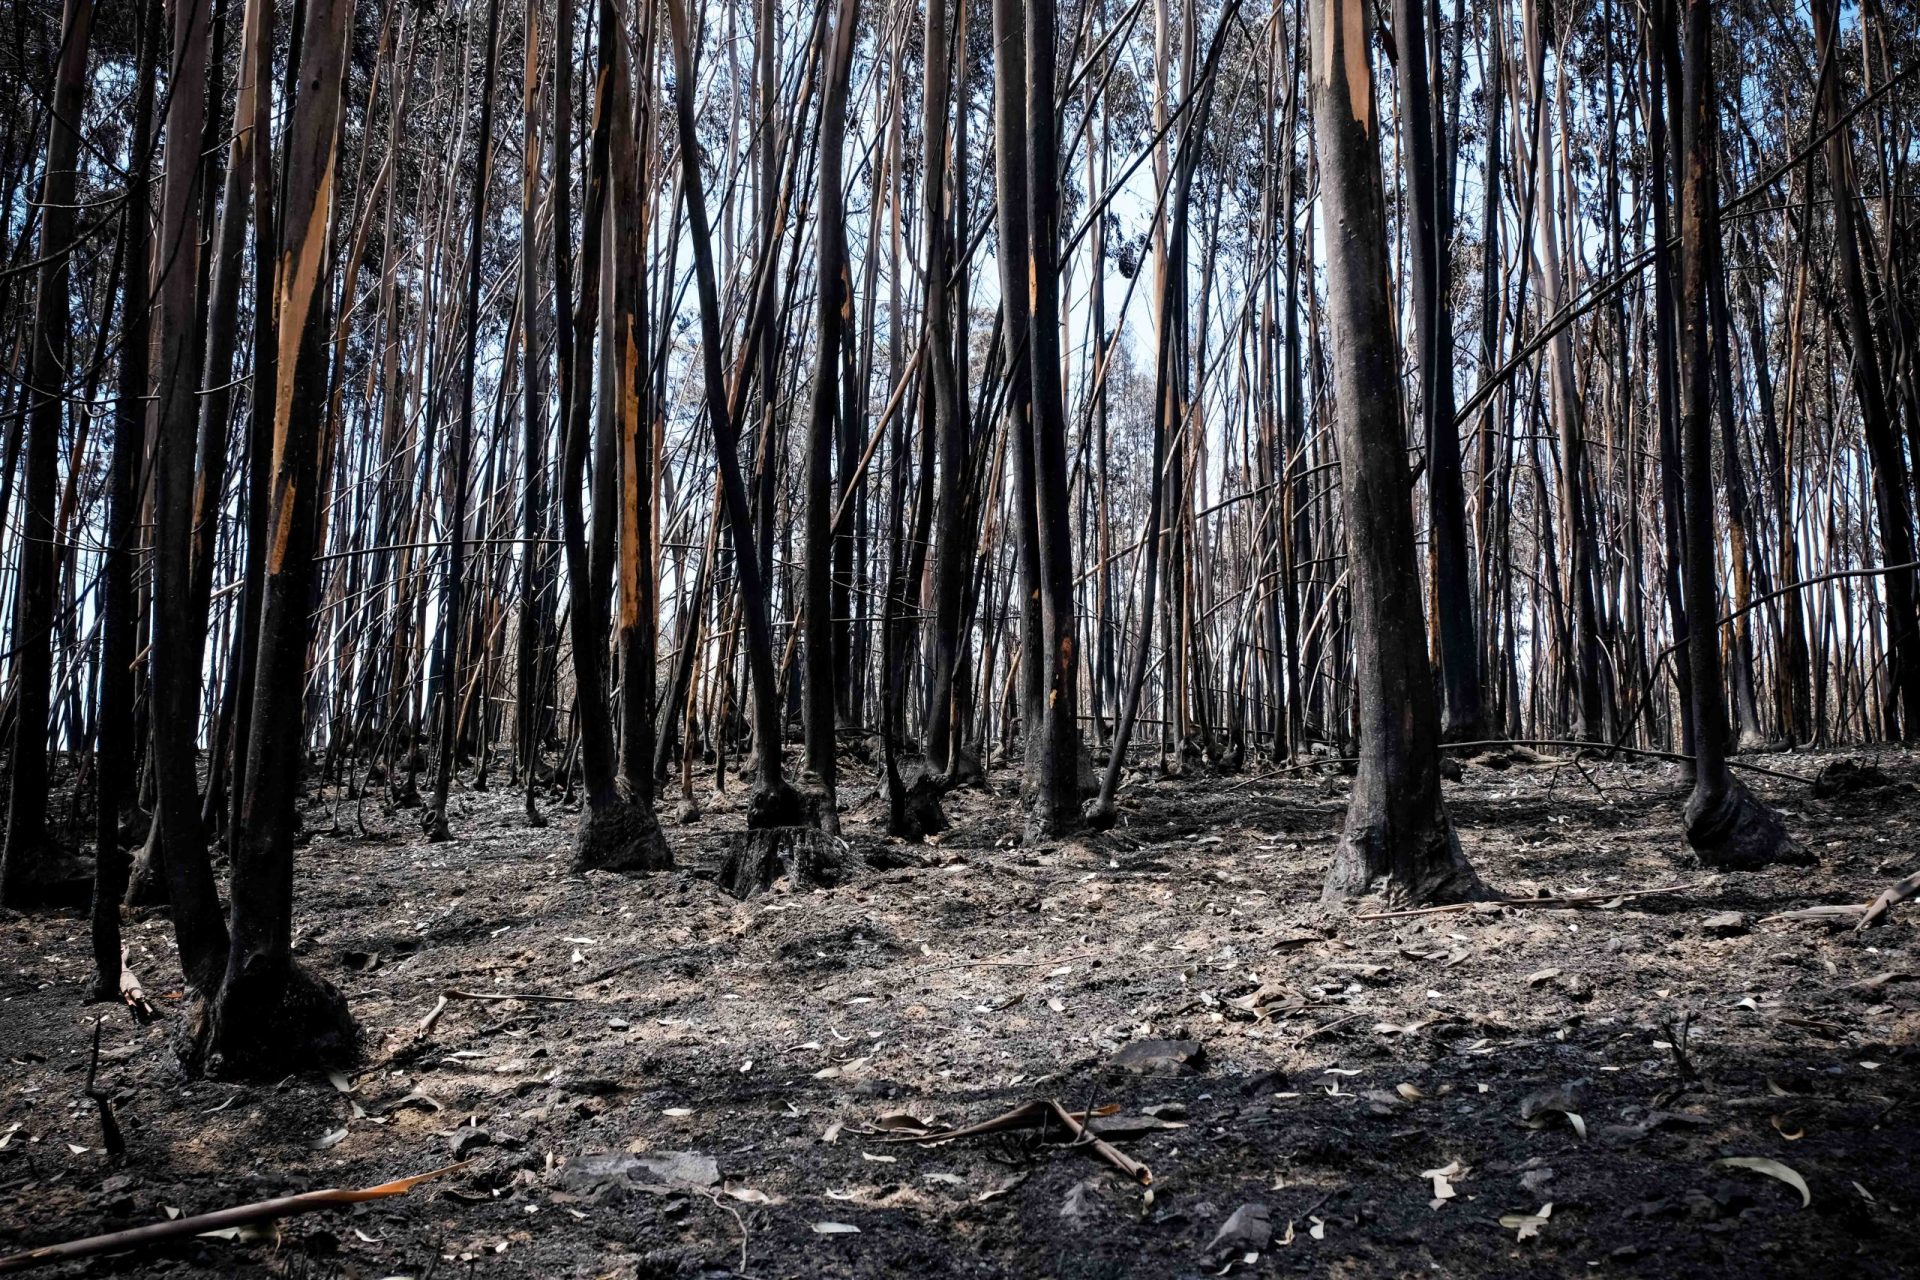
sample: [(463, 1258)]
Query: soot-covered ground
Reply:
[(1360, 1097)]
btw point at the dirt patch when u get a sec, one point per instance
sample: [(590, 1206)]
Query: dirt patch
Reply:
[(1347, 1065)]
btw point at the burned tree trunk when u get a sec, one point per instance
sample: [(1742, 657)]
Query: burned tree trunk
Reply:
[(453, 601), (270, 1015), (616, 832), (834, 297), (114, 767), (1398, 840), (772, 803), (179, 636), (27, 862), (1726, 825)]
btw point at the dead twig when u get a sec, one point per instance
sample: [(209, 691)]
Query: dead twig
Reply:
[(1037, 1115), (238, 1216), (1563, 900), (534, 997), (1326, 1027)]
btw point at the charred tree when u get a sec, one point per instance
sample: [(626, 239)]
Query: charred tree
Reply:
[(1398, 840)]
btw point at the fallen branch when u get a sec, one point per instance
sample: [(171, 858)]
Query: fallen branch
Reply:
[(533, 996), (238, 1216), (1037, 1115), (1563, 900), (132, 994), (1808, 915), (1891, 898)]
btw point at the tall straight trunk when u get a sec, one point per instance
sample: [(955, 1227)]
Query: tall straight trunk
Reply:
[(271, 1016), (28, 859), (1057, 807), (772, 803), (453, 599), (1010, 218), (1423, 140), (222, 329), (178, 634), (1398, 839), (944, 414), (256, 86), (535, 619), (833, 299), (615, 833), (1584, 663), (113, 770), (1893, 498), (1726, 825), (635, 634)]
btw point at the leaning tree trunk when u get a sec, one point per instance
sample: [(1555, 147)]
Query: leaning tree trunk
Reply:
[(1725, 824), (271, 1016), (771, 803), (1398, 839), (1893, 497), (27, 860)]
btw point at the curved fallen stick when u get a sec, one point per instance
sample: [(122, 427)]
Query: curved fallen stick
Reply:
[(238, 1216), (1038, 1115)]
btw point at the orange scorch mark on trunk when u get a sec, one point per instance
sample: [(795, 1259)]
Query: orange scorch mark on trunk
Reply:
[(1345, 28), (300, 282)]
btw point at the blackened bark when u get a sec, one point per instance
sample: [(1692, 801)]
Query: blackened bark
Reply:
[(1726, 825), (179, 636), (271, 1016), (453, 600), (1398, 839)]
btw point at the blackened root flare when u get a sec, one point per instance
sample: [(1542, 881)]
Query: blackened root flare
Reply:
[(1431, 872), (622, 836), (1733, 831), (805, 856), (269, 1021), (778, 805), (1049, 822)]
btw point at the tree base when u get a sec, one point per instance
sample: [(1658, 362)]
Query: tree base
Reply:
[(1102, 816), (622, 836), (779, 805), (267, 1025), (1733, 831), (1047, 823), (805, 856), (917, 812), (146, 878), (1434, 871)]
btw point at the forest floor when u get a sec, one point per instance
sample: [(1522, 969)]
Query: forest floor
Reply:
[(1394, 1093)]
